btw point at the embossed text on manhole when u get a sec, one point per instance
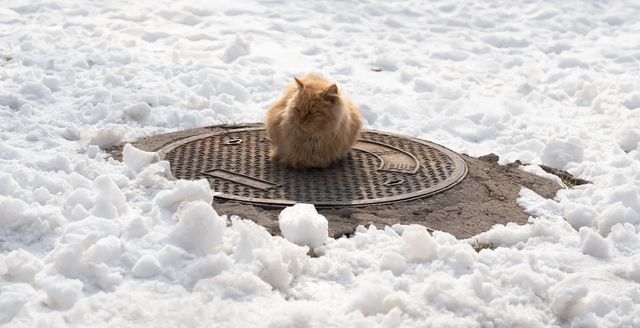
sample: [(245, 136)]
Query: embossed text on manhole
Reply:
[(381, 168)]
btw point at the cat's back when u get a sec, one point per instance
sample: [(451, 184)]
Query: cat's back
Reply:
[(276, 114), (280, 105)]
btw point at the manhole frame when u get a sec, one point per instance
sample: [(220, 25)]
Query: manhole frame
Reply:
[(459, 173)]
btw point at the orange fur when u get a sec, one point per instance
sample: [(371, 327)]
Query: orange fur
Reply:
[(312, 125)]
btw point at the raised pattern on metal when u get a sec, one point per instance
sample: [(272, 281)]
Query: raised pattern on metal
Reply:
[(392, 159), (381, 168), (239, 178)]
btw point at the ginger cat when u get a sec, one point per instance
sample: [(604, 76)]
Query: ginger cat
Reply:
[(312, 125)]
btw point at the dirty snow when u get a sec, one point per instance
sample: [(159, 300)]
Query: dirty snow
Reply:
[(89, 241)]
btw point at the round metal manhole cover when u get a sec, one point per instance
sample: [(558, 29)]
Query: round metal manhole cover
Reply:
[(381, 168)]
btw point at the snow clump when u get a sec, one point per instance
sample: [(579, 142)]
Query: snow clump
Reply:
[(301, 224)]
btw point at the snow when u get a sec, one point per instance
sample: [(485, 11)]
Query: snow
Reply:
[(106, 136), (199, 229), (138, 112), (417, 244), (235, 49), (146, 266), (136, 159), (560, 152), (182, 192), (592, 243), (537, 170), (86, 240), (301, 224)]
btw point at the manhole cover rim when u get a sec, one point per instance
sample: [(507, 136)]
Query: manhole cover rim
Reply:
[(459, 173)]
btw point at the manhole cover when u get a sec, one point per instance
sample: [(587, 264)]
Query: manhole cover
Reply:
[(380, 168)]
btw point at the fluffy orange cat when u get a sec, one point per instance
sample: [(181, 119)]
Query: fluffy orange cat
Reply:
[(312, 125)]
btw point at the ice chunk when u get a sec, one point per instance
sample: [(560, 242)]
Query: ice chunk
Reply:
[(207, 89), (592, 243), (52, 183), (106, 250), (235, 49), (537, 170), (20, 266), (41, 195), (79, 212), (629, 139), (12, 101), (136, 159), (558, 153), (62, 294), (169, 255), (628, 194), (234, 89), (394, 262), (108, 197), (614, 214), (138, 112), (566, 296), (107, 136), (11, 212), (80, 196), (273, 269), (239, 285), (7, 184), (418, 245), (184, 191), (633, 271), (52, 83), (385, 62), (199, 230), (206, 267), (370, 299), (146, 266), (35, 90), (8, 153), (632, 102), (250, 236), (368, 114), (301, 224), (136, 228), (580, 216), (12, 298)]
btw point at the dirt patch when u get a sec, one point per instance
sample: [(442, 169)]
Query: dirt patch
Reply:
[(487, 196)]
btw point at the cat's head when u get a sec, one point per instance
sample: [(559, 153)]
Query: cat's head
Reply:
[(316, 103)]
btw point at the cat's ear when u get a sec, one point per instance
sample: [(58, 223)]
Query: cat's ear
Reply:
[(331, 93), (332, 90), (299, 83)]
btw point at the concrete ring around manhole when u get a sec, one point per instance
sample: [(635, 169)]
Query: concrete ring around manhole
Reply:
[(381, 168)]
